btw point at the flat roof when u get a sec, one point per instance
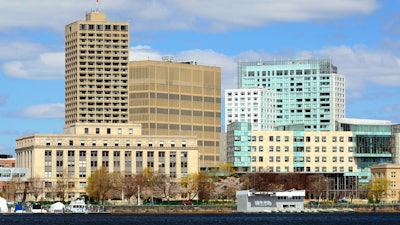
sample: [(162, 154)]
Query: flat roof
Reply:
[(364, 121)]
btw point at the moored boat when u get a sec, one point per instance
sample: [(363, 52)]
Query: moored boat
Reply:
[(37, 207), (77, 205)]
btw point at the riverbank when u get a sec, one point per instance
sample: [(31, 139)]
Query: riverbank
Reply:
[(161, 209), (194, 209)]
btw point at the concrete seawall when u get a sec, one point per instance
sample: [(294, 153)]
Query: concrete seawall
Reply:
[(171, 209), (193, 209)]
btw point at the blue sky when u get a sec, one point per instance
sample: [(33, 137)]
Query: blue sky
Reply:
[(361, 36)]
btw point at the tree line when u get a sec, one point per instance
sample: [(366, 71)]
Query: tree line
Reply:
[(150, 186)]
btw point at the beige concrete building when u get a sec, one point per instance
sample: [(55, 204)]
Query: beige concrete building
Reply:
[(319, 152), (392, 173), (178, 98), (84, 148), (96, 70)]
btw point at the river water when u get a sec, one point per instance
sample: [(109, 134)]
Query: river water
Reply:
[(204, 219)]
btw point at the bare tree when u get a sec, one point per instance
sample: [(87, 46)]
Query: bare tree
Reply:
[(317, 185), (129, 187), (35, 187), (10, 188), (174, 190), (116, 181), (62, 184)]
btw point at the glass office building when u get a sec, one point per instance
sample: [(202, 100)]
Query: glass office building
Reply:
[(373, 143), (308, 92)]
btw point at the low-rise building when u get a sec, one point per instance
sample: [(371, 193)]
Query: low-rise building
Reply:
[(265, 201), (84, 148), (9, 175), (391, 172), (345, 154)]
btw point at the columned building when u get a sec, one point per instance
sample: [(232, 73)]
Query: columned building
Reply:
[(84, 148)]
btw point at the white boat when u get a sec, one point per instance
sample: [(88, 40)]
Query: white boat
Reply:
[(37, 207), (77, 205)]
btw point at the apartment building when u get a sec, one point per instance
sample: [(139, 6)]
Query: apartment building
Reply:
[(290, 151), (96, 70), (254, 105), (309, 92), (347, 153)]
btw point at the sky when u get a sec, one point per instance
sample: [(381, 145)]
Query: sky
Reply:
[(362, 37)]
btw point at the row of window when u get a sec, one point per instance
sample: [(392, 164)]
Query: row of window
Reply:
[(298, 149), (101, 27), (297, 139), (301, 159), (307, 169), (139, 154), (116, 164), (116, 144)]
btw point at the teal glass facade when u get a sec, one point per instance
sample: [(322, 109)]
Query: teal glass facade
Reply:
[(238, 145), (308, 92), (373, 145)]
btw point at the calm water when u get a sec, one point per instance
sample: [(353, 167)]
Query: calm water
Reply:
[(225, 219)]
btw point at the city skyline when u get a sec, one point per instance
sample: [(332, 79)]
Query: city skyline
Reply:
[(361, 37)]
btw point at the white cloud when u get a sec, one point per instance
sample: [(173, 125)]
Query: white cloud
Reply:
[(176, 14), (362, 67), (17, 50), (44, 111), (47, 66), (228, 14), (143, 52)]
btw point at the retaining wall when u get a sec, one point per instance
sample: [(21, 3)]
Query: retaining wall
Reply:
[(172, 209)]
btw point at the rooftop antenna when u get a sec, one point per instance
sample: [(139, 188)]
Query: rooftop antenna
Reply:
[(97, 5)]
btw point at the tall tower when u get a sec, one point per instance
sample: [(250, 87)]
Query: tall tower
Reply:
[(96, 70), (178, 98), (308, 92)]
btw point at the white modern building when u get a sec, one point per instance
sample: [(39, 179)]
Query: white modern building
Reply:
[(253, 105), (267, 201)]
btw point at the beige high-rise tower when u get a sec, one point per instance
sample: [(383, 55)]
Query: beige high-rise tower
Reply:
[(96, 70), (178, 98)]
